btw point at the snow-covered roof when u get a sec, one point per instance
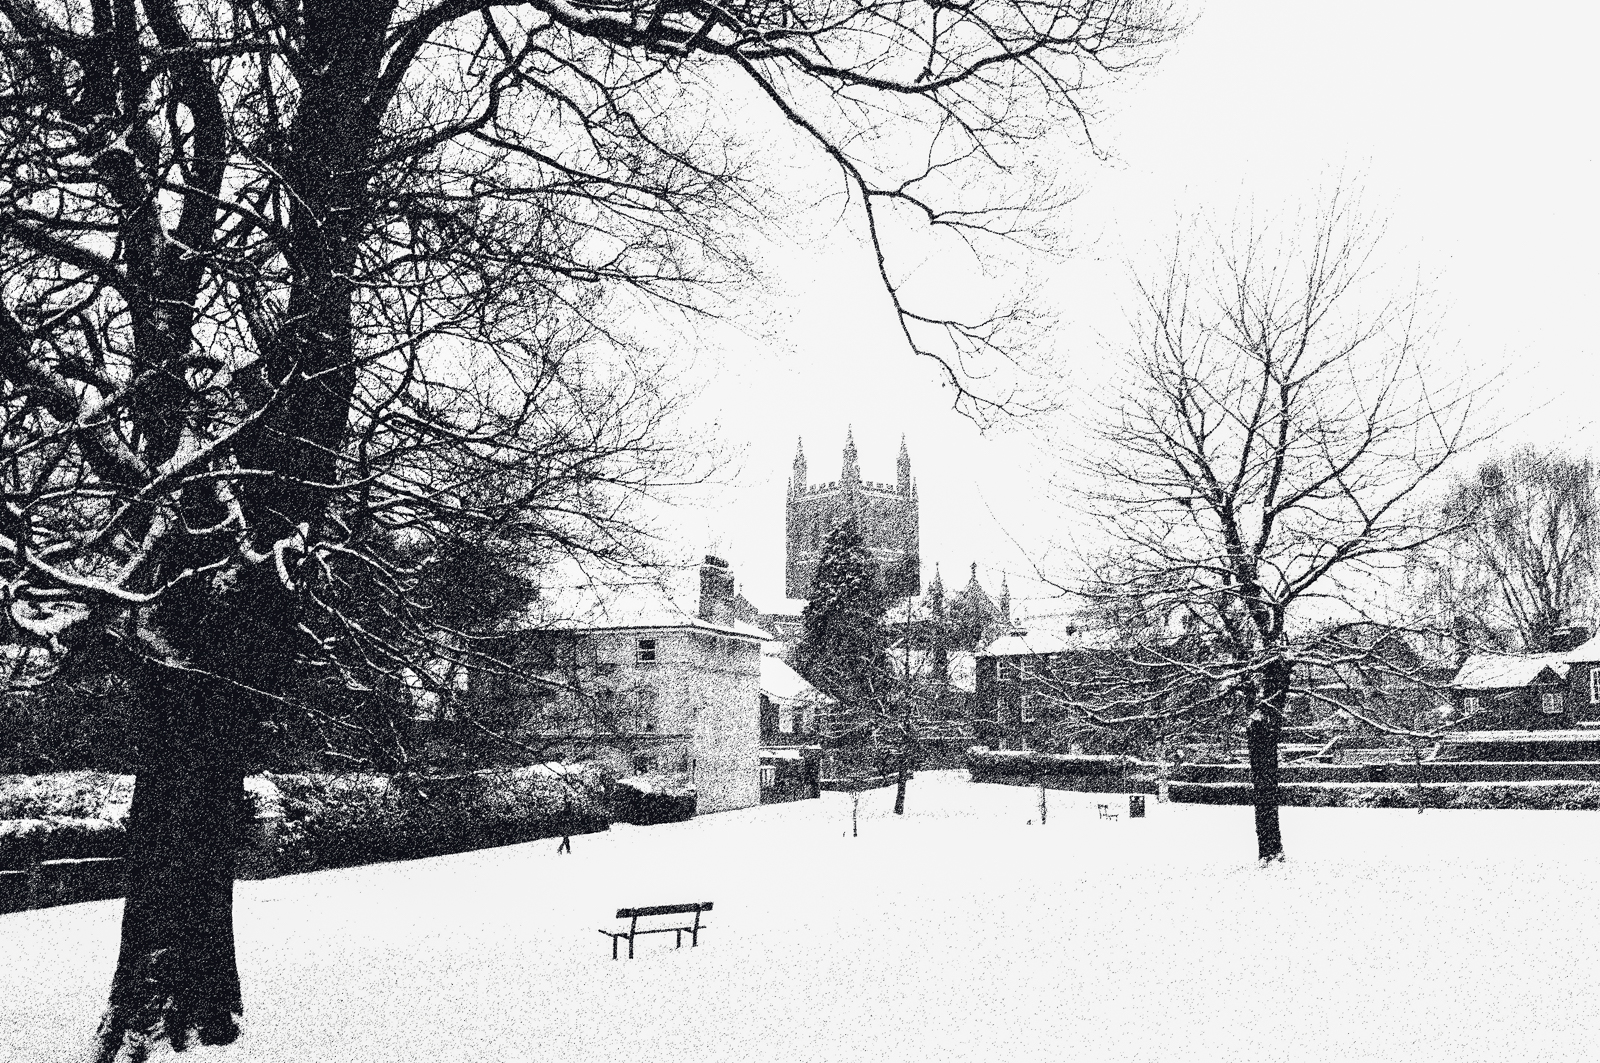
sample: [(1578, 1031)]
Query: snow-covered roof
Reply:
[(1584, 654), (1020, 643), (1501, 671), (670, 598), (783, 684)]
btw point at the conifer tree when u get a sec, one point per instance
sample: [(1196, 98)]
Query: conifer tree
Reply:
[(843, 650)]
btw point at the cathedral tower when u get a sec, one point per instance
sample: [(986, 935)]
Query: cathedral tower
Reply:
[(885, 515)]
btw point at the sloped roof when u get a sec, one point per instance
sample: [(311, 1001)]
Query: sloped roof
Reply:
[(1504, 671), (670, 598), (1584, 654), (782, 683), (1021, 643)]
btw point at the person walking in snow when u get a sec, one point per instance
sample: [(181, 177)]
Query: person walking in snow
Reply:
[(566, 824)]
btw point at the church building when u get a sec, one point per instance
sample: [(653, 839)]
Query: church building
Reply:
[(885, 515)]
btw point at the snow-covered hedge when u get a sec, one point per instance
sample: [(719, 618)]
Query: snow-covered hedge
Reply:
[(647, 799), (23, 841), (63, 815), (1483, 795), (338, 820), (1106, 773), (1431, 771), (76, 794)]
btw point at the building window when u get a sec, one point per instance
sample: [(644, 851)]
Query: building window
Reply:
[(769, 776), (1025, 669), (645, 652), (786, 719), (1469, 704), (1030, 711), (1550, 702), (1594, 685)]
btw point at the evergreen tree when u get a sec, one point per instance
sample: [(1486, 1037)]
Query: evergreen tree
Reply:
[(843, 650)]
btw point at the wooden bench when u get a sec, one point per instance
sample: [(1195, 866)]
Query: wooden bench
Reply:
[(1105, 812), (633, 915)]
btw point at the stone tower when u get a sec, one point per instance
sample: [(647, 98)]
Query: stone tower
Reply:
[(885, 515)]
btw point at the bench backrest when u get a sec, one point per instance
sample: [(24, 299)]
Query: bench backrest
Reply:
[(663, 909)]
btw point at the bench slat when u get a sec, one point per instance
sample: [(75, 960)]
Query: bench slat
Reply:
[(663, 909)]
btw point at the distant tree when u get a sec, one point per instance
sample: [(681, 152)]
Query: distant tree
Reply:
[(1524, 555), (1266, 451)]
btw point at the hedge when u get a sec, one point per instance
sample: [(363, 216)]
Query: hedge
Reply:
[(64, 815), (1430, 771), (74, 794), (315, 821), (1094, 773), (648, 799), (339, 820), (23, 841), (1536, 795)]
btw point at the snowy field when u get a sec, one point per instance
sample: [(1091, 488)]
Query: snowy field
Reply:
[(961, 932)]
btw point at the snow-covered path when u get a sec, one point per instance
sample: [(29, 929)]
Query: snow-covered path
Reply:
[(960, 932)]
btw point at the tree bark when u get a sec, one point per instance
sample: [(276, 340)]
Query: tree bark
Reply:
[(177, 977), (900, 785), (1261, 736)]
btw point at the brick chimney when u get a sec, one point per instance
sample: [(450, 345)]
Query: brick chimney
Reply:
[(716, 591)]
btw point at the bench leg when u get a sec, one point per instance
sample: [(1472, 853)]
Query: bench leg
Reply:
[(679, 935), (613, 946), (630, 946)]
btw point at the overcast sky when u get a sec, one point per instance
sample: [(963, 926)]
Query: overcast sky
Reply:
[(1473, 134)]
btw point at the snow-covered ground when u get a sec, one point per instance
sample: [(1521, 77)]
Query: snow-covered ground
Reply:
[(961, 932)]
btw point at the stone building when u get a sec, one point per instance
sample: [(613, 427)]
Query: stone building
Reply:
[(791, 732), (654, 678), (885, 515)]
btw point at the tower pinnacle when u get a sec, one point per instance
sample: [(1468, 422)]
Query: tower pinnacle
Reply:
[(799, 483), (852, 467)]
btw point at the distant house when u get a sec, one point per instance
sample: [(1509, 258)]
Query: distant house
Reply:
[(652, 677), (1021, 679), (1367, 670), (791, 739), (1545, 691)]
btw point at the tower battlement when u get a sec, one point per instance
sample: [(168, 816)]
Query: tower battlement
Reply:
[(885, 515)]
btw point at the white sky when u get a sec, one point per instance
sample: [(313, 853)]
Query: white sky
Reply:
[(1472, 132)]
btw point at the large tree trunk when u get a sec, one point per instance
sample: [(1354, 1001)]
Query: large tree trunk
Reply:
[(177, 979), (1261, 735)]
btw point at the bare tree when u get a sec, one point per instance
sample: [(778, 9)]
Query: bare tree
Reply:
[(1261, 466), (277, 288), (1524, 557)]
